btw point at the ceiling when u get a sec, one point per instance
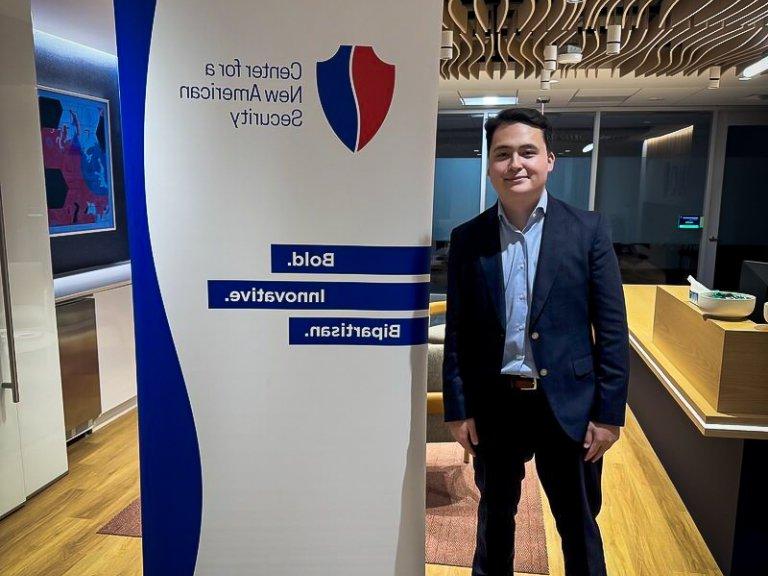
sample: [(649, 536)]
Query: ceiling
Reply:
[(91, 22), (667, 49), (88, 22), (601, 88)]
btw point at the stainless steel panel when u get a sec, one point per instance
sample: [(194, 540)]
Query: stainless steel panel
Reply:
[(79, 355)]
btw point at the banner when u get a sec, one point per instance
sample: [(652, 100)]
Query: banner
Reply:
[(279, 165)]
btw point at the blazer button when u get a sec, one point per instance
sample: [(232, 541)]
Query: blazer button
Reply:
[(543, 372), (534, 335)]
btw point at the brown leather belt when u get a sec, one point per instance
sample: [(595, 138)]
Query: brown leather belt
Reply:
[(520, 382)]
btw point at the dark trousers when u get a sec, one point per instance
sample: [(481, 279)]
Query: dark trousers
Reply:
[(513, 428)]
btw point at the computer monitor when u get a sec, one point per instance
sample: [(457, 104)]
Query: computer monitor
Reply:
[(754, 280)]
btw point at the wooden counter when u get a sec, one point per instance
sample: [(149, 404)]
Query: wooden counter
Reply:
[(641, 305)]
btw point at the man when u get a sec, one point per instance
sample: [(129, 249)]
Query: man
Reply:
[(536, 349)]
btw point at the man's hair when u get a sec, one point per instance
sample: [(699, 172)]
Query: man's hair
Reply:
[(527, 116)]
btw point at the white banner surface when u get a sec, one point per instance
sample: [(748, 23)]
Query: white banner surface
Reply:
[(280, 160)]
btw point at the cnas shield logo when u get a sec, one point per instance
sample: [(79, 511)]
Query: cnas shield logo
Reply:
[(356, 89)]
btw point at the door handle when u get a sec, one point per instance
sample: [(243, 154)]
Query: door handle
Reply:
[(13, 385)]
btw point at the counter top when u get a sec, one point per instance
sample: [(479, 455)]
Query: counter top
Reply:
[(641, 303), (80, 284)]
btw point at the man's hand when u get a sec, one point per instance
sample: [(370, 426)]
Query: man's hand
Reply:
[(464, 432), (599, 438)]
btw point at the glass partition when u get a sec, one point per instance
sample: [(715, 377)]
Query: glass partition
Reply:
[(572, 144), (742, 233), (651, 179), (458, 169), (650, 184)]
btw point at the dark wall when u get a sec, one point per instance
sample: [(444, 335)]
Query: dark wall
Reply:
[(64, 65)]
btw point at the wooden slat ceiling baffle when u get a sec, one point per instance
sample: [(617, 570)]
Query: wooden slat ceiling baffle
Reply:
[(658, 37)]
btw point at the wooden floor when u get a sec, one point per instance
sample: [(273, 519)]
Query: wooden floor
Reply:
[(646, 529)]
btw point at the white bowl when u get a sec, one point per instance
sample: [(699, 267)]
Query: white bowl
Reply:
[(726, 307)]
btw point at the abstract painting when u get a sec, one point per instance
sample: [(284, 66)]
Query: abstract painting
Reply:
[(78, 162)]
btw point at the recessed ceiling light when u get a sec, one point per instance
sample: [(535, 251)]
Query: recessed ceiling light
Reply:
[(588, 148), (568, 150), (488, 100)]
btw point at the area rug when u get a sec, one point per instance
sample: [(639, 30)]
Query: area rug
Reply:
[(452, 513), (451, 519), (126, 523)]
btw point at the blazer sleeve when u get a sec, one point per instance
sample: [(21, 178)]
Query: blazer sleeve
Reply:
[(609, 321), (454, 401)]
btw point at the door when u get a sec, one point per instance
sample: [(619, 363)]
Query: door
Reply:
[(12, 489), (734, 229), (742, 232)]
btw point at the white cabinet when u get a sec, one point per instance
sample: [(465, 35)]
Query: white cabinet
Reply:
[(117, 349)]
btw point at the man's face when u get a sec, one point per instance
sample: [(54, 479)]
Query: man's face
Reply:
[(518, 163)]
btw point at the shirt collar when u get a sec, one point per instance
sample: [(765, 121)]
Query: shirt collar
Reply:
[(540, 210)]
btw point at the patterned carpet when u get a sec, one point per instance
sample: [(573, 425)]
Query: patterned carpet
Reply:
[(452, 513), (126, 523)]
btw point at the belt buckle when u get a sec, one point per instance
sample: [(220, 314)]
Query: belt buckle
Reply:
[(532, 388)]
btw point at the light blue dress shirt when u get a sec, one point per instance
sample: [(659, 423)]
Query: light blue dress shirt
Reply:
[(519, 258)]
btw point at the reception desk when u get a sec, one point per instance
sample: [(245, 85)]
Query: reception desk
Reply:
[(688, 373)]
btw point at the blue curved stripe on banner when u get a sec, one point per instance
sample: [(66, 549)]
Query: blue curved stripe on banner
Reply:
[(171, 475), (334, 84)]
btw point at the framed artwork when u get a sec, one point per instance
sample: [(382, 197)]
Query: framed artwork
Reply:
[(77, 156)]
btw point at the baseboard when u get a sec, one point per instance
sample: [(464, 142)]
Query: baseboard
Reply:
[(114, 413)]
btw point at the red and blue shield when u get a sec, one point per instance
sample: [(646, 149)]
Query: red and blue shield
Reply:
[(356, 89)]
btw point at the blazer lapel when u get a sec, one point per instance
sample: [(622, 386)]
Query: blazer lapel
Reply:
[(553, 241), (490, 262)]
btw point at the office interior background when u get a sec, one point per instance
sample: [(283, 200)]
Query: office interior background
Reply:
[(644, 167), (668, 138)]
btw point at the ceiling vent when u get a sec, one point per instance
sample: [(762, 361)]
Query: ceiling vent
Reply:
[(599, 100), (569, 54)]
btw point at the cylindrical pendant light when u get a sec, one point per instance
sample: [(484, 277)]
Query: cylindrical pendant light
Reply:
[(446, 45), (550, 57), (613, 46), (714, 77), (544, 83)]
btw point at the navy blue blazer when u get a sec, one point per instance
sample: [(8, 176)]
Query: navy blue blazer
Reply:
[(577, 326)]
